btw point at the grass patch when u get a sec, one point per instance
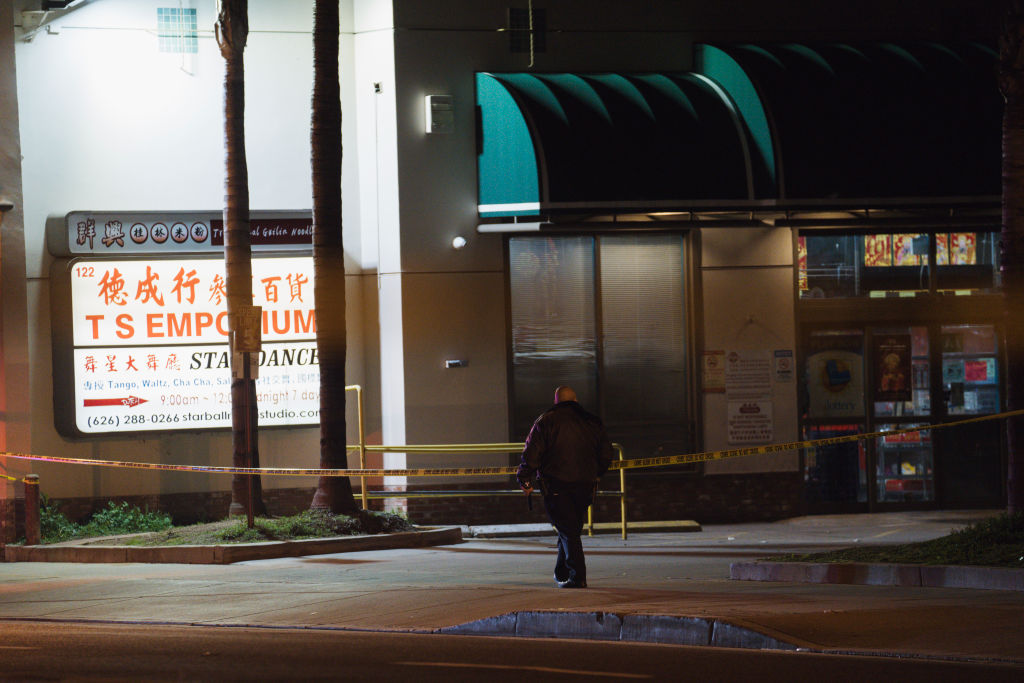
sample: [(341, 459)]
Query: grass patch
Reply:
[(994, 542), (307, 524)]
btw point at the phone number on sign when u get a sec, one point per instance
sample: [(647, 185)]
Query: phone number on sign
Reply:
[(154, 419)]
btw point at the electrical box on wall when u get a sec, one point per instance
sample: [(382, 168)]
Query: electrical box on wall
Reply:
[(440, 113)]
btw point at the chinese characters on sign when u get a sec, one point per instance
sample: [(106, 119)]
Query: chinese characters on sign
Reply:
[(150, 343), (119, 233)]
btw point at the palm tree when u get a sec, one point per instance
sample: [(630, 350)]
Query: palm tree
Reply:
[(333, 493), (232, 30)]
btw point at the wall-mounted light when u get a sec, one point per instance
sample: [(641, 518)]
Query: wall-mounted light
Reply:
[(458, 242), (5, 206), (439, 111)]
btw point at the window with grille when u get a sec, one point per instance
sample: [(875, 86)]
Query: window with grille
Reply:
[(176, 29)]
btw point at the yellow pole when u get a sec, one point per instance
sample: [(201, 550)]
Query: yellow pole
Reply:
[(362, 438), (622, 490)]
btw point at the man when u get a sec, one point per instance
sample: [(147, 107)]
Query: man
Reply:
[(567, 451)]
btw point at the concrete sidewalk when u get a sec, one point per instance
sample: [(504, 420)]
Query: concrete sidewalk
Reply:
[(658, 587)]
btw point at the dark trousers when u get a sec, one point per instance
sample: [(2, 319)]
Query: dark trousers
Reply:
[(566, 505)]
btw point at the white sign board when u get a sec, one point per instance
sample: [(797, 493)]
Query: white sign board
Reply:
[(150, 349), (750, 422), (748, 374)]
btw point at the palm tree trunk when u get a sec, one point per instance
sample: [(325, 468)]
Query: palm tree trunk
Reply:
[(333, 493), (232, 30)]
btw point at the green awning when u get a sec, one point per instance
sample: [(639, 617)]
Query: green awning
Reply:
[(768, 123), (868, 121), (558, 141)]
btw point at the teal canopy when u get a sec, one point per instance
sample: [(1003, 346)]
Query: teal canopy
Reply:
[(567, 139), (770, 123), (868, 121)]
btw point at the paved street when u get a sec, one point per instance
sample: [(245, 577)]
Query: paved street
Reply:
[(70, 651), (422, 590)]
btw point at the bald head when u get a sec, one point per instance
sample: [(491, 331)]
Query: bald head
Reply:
[(564, 394)]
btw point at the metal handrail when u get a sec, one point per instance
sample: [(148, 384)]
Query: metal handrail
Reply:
[(504, 447)]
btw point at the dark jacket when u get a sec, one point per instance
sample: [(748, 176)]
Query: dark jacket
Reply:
[(568, 444)]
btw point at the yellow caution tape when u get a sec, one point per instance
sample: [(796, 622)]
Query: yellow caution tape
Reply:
[(635, 463), (272, 471), (792, 445)]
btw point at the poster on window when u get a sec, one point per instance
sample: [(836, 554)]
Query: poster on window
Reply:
[(942, 250), (962, 249), (981, 371), (801, 259), (877, 250), (903, 251), (893, 368), (835, 376)]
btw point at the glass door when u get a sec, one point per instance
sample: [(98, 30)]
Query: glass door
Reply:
[(835, 476), (901, 399), (971, 464), (892, 378)]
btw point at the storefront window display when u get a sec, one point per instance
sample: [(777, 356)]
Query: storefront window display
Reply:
[(905, 470), (835, 473), (883, 265), (970, 369)]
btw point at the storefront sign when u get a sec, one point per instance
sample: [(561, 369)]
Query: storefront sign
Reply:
[(127, 233), (148, 344)]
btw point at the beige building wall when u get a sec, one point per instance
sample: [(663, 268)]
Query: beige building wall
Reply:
[(748, 300)]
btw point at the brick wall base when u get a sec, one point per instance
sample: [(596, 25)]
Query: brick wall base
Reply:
[(650, 496), (12, 520)]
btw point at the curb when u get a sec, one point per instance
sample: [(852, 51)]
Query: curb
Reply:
[(865, 574), (232, 552), (646, 628), (545, 529)]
